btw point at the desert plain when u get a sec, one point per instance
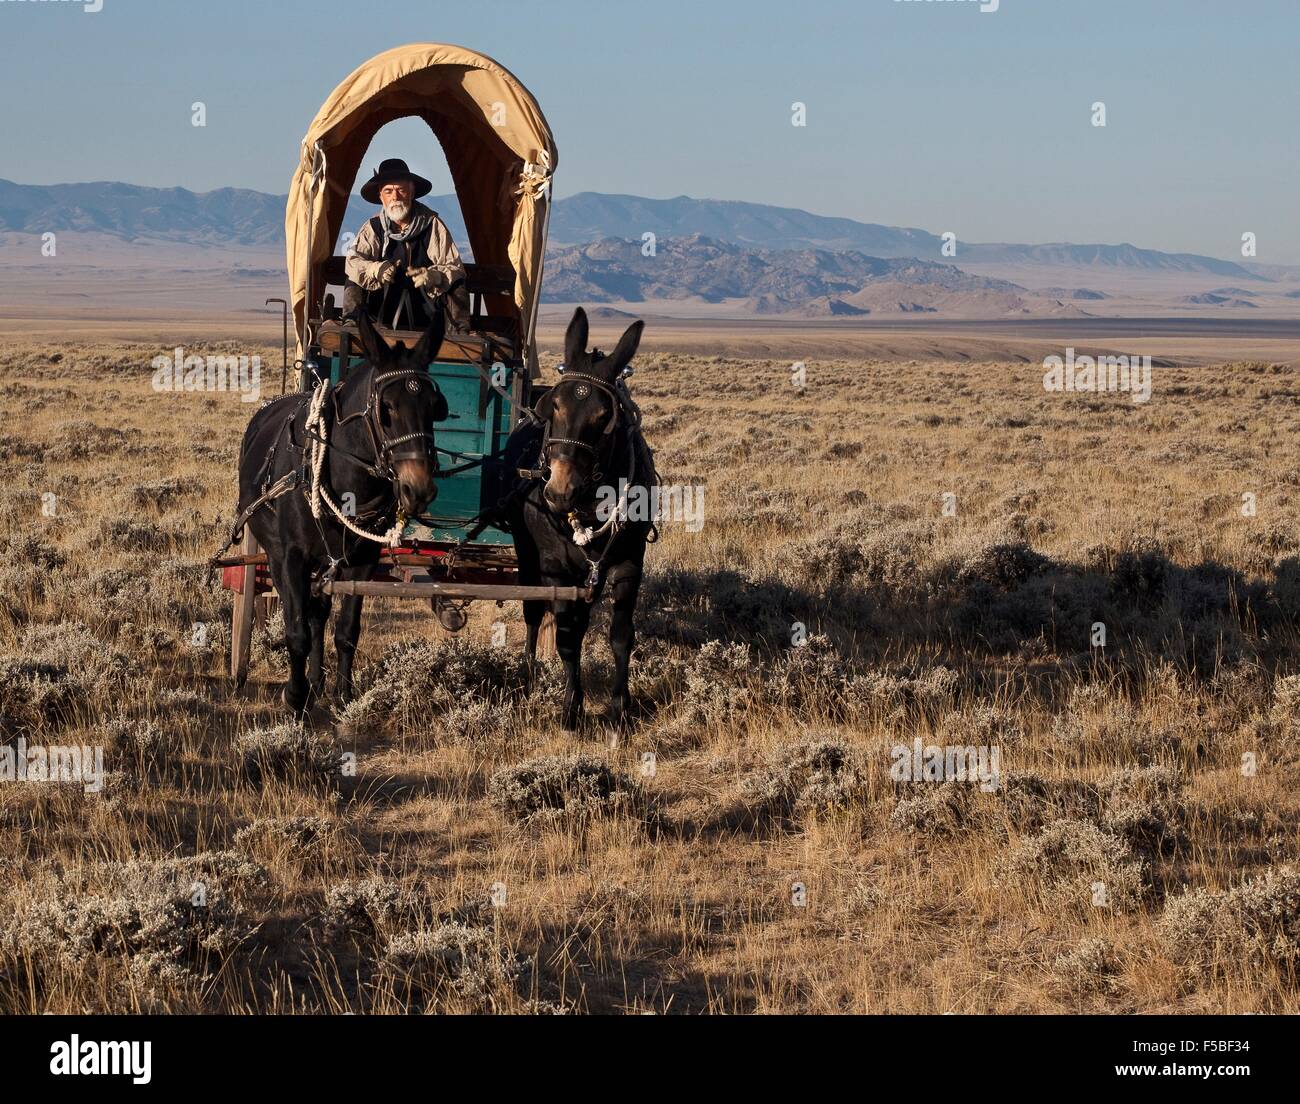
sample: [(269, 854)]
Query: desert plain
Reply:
[(914, 542)]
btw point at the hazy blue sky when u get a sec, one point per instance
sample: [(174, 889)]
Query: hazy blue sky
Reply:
[(934, 115)]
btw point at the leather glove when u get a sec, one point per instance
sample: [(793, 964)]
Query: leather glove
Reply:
[(387, 272), (428, 279)]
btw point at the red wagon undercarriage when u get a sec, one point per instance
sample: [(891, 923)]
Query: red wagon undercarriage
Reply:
[(448, 575)]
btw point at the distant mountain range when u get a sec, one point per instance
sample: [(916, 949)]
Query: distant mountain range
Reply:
[(589, 216), (228, 215), (770, 260), (1105, 257), (810, 282), (244, 217)]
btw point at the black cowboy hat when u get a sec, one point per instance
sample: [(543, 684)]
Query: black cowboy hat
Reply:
[(389, 172)]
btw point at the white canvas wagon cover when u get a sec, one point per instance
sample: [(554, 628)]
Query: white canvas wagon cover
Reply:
[(497, 145)]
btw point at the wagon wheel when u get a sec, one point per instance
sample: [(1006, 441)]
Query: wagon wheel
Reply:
[(241, 618)]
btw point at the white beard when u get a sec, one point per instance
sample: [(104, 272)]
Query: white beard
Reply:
[(398, 212)]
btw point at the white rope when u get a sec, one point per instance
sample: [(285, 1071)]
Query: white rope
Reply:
[(584, 535), (535, 183), (317, 434)]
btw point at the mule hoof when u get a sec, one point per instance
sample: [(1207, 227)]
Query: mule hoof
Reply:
[(294, 702), (619, 719)]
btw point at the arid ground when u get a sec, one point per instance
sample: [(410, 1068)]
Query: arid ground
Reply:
[(919, 544)]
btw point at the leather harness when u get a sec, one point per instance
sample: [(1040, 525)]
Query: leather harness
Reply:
[(385, 447)]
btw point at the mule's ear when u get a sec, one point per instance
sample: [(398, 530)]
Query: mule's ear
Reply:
[(575, 338), (625, 350), (376, 348), (430, 341), (545, 408), (440, 408)]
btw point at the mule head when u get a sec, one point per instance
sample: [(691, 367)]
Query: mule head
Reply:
[(582, 413), (403, 410)]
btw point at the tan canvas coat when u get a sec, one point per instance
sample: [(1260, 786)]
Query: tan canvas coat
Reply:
[(365, 256)]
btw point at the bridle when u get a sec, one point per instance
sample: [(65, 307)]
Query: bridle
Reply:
[(389, 450), (620, 403)]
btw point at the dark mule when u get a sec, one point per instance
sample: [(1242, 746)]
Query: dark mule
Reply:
[(380, 458), (586, 443)]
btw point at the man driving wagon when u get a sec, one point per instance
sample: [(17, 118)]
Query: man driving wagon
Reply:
[(404, 266)]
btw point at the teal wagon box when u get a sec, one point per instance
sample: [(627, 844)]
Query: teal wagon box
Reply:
[(479, 419)]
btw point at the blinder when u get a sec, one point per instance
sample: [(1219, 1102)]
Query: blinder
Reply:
[(389, 447), (583, 384)]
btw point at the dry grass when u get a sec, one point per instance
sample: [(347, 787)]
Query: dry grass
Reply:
[(744, 848)]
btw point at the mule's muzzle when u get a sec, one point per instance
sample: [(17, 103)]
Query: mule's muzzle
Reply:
[(564, 487), (416, 485)]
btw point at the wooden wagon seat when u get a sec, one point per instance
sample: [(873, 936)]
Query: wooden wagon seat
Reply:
[(480, 280), (473, 348)]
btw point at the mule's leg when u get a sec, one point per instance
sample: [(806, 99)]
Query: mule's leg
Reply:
[(347, 627), (294, 585), (318, 615), (624, 582), (571, 619), (529, 574), (533, 614)]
